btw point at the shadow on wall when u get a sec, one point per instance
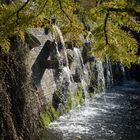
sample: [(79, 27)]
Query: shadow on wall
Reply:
[(41, 63)]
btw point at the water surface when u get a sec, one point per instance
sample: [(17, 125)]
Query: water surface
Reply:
[(114, 115)]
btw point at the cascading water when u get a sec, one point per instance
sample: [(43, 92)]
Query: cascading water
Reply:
[(58, 35), (84, 75), (108, 116), (123, 71), (108, 73), (110, 69), (67, 70), (78, 54), (84, 86), (101, 117), (100, 75), (68, 73), (57, 51), (119, 73), (72, 86), (65, 76), (56, 29)]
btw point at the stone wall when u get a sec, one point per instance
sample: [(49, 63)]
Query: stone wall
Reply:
[(47, 80), (59, 74)]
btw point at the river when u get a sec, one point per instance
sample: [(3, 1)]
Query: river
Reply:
[(111, 115)]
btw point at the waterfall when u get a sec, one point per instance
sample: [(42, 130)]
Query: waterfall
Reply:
[(68, 73), (65, 76), (119, 74), (57, 51), (108, 72), (84, 86), (78, 54), (123, 71), (100, 76), (110, 69), (72, 86), (56, 28), (58, 35), (83, 75)]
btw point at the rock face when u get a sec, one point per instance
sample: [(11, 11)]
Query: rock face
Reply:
[(49, 66), (60, 76), (55, 68), (52, 79)]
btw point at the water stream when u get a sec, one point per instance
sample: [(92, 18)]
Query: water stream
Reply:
[(100, 75), (111, 115)]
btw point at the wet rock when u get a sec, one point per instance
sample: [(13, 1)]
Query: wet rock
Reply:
[(61, 109), (32, 40)]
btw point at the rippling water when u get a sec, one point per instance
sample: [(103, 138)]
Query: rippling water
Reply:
[(114, 115)]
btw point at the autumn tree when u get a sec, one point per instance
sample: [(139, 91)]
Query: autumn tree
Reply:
[(107, 19), (110, 19)]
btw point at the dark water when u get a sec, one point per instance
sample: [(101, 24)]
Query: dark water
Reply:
[(114, 115)]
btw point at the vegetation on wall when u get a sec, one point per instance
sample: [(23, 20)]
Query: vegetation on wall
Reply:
[(18, 98), (51, 113), (112, 21)]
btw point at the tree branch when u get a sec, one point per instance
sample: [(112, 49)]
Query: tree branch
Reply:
[(60, 4), (105, 27), (42, 8), (129, 10), (17, 12)]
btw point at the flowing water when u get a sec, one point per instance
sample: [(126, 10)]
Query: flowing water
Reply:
[(108, 73), (114, 115), (78, 54), (111, 115), (100, 75)]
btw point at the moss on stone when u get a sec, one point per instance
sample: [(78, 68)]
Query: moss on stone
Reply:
[(91, 94), (49, 115), (68, 105), (78, 98)]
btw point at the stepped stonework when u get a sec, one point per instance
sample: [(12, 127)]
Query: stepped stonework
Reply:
[(51, 77), (59, 74)]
